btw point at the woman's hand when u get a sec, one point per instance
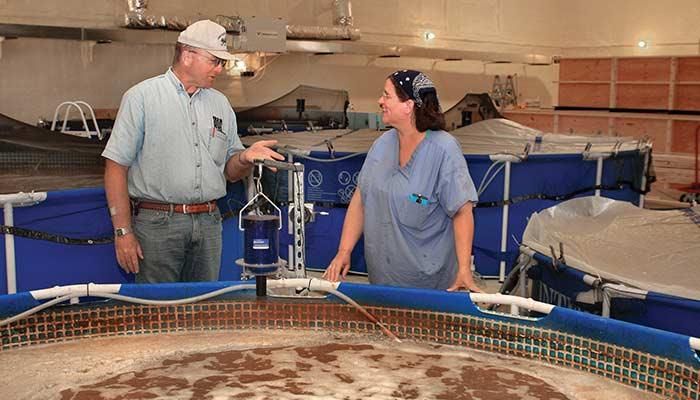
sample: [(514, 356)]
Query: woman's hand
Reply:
[(339, 266), (464, 280)]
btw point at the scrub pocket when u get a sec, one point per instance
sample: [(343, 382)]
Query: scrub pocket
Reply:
[(415, 212)]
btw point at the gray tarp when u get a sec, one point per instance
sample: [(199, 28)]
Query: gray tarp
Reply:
[(649, 249)]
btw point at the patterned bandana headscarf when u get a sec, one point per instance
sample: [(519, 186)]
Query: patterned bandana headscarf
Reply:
[(414, 84)]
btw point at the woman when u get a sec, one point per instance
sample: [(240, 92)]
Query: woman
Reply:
[(414, 198)]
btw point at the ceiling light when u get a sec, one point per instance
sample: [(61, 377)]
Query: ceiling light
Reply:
[(428, 35), (239, 65), (642, 44)]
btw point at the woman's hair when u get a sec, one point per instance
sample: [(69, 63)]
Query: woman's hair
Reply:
[(428, 116)]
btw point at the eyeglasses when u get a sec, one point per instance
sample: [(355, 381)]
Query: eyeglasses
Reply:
[(213, 61)]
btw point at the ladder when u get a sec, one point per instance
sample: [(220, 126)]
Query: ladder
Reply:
[(82, 108)]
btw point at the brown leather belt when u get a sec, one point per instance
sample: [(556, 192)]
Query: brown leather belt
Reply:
[(178, 208)]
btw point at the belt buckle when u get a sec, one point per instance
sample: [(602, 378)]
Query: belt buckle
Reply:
[(184, 208)]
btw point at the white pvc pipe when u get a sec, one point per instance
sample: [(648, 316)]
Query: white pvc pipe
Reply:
[(10, 267), (87, 289), (498, 298), (81, 290), (22, 199), (626, 291), (695, 343), (590, 280), (504, 222), (313, 284), (598, 175), (644, 178), (7, 202), (605, 311)]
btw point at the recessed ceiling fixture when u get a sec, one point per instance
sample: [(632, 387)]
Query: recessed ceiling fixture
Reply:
[(428, 35), (239, 64), (642, 44)]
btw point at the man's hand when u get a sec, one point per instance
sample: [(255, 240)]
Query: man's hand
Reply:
[(261, 150), (128, 252)]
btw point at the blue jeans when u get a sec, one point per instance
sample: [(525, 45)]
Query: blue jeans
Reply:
[(178, 247)]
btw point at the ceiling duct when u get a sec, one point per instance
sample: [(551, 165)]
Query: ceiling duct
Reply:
[(138, 18), (296, 39), (301, 32), (342, 30), (342, 13)]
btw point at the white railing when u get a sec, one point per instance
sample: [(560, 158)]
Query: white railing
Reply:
[(78, 105)]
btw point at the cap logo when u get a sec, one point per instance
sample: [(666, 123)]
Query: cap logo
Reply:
[(222, 39)]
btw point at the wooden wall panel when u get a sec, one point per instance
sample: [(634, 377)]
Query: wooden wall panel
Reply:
[(584, 95), (639, 128), (642, 96), (688, 69), (687, 97), (674, 177), (542, 122), (596, 69), (675, 161), (644, 69), (683, 139), (583, 125)]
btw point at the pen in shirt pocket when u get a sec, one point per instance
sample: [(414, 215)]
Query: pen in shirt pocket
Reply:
[(419, 199)]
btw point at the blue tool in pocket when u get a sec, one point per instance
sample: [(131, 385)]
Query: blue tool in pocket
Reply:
[(419, 199)]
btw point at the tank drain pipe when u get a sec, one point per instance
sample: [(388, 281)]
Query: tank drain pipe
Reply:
[(332, 288)]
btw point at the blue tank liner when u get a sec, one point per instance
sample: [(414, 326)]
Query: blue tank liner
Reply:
[(657, 310), (13, 304), (332, 183), (78, 213), (667, 344), (660, 311), (83, 213)]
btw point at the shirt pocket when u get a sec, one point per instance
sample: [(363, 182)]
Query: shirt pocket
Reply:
[(218, 146), (415, 210)]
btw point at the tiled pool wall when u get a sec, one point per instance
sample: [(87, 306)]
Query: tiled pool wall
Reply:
[(630, 367)]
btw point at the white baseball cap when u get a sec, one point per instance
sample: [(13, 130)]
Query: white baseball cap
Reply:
[(207, 35)]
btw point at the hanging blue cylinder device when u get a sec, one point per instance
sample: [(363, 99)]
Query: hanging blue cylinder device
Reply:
[(261, 241)]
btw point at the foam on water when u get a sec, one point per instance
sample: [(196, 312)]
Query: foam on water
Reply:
[(285, 365)]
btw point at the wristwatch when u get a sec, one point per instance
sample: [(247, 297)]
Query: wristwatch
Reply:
[(121, 231)]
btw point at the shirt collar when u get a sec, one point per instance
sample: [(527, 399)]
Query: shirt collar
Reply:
[(177, 83)]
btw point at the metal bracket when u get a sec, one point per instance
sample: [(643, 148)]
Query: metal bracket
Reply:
[(87, 52), (557, 261)]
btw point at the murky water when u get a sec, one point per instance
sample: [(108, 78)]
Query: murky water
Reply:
[(284, 365)]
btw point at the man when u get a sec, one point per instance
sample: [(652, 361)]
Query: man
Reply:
[(173, 146)]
